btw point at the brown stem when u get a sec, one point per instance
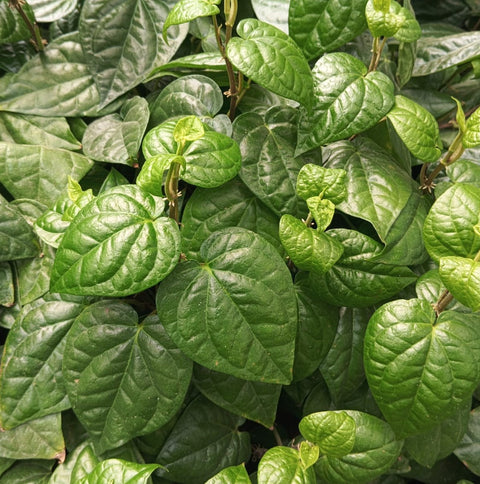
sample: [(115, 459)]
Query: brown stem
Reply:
[(376, 53), (443, 301), (171, 189), (37, 40)]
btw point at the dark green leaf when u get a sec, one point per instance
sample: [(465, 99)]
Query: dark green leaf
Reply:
[(231, 475), (235, 311), (123, 379), (467, 451), (323, 26), (113, 179), (272, 59), (204, 440), (254, 400), (7, 293), (118, 244), (420, 369), (29, 472), (12, 26)]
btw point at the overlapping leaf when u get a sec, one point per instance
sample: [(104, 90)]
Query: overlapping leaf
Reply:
[(121, 471), (12, 26), (274, 12), (471, 138), (49, 11), (467, 451), (231, 475)]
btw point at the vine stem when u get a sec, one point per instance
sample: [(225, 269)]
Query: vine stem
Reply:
[(278, 439), (377, 49), (443, 301), (37, 40), (171, 189)]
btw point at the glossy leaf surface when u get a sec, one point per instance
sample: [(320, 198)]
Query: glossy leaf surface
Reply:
[(49, 11), (467, 451), (471, 138), (274, 12), (12, 27), (119, 471), (314, 180), (231, 475)]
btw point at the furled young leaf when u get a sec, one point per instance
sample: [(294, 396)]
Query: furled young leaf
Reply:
[(230, 205), (383, 22), (235, 311), (410, 30), (189, 128), (417, 128), (119, 471), (467, 451), (12, 26), (51, 10), (322, 211), (17, 239), (272, 59), (118, 244), (38, 439), (152, 175), (461, 277), (449, 226), (111, 34), (231, 475), (471, 138), (274, 12), (357, 279), (31, 382), (283, 464), (309, 249), (374, 451), (186, 10), (269, 166), (314, 180), (421, 369), (205, 440), (50, 226), (38, 172), (254, 400), (123, 379), (347, 101), (116, 138), (373, 174), (323, 26)]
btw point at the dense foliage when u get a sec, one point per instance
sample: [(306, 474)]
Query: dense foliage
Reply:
[(240, 241)]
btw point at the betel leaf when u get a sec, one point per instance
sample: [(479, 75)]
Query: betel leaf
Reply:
[(231, 475), (372, 173), (347, 101), (63, 473), (111, 34), (410, 30), (449, 226), (39, 439), (314, 180), (58, 83), (284, 464), (374, 451), (230, 205), (186, 10), (17, 239), (38, 172), (269, 165), (118, 244), (50, 226), (384, 22), (274, 12), (322, 211), (123, 378), (189, 128), (49, 11), (204, 440), (12, 26), (417, 128), (461, 277), (119, 471), (31, 382), (254, 400), (272, 59), (471, 137), (357, 279), (235, 310), (323, 26), (7, 290), (467, 451), (421, 369), (116, 138), (309, 249), (85, 462), (152, 175), (309, 453), (464, 171)]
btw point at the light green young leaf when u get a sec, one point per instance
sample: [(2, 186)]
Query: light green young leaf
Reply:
[(118, 244), (309, 453), (461, 277), (63, 473), (382, 5), (120, 472), (309, 249), (231, 475), (460, 116), (322, 211), (410, 31), (471, 138), (123, 379), (241, 318), (314, 180), (186, 10), (417, 128), (188, 129), (347, 101), (272, 59), (382, 22), (436, 363), (86, 462), (151, 177), (50, 226), (320, 26)]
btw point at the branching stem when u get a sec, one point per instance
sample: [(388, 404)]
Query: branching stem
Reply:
[(377, 49), (37, 40)]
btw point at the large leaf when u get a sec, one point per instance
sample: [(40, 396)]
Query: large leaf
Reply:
[(272, 59), (449, 226), (467, 451), (38, 172), (421, 369), (205, 440), (235, 311), (120, 472), (49, 11), (357, 279), (123, 379), (122, 41), (347, 101), (118, 244), (373, 175), (323, 26), (31, 382), (269, 166)]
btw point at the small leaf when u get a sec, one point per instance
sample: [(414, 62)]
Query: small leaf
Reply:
[(461, 277), (471, 138), (322, 211), (460, 116), (151, 177), (271, 58), (188, 129), (231, 475), (110, 252), (410, 31), (417, 128), (309, 453), (120, 471), (383, 22), (309, 249), (314, 180), (50, 226)]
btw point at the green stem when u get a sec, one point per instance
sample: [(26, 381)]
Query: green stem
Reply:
[(377, 49), (171, 190), (278, 439), (37, 40)]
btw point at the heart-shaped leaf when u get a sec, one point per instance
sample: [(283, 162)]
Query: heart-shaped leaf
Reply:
[(240, 316), (347, 101), (272, 59), (123, 379), (231, 475), (152, 175), (314, 180), (118, 244), (420, 368), (50, 226), (384, 22)]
